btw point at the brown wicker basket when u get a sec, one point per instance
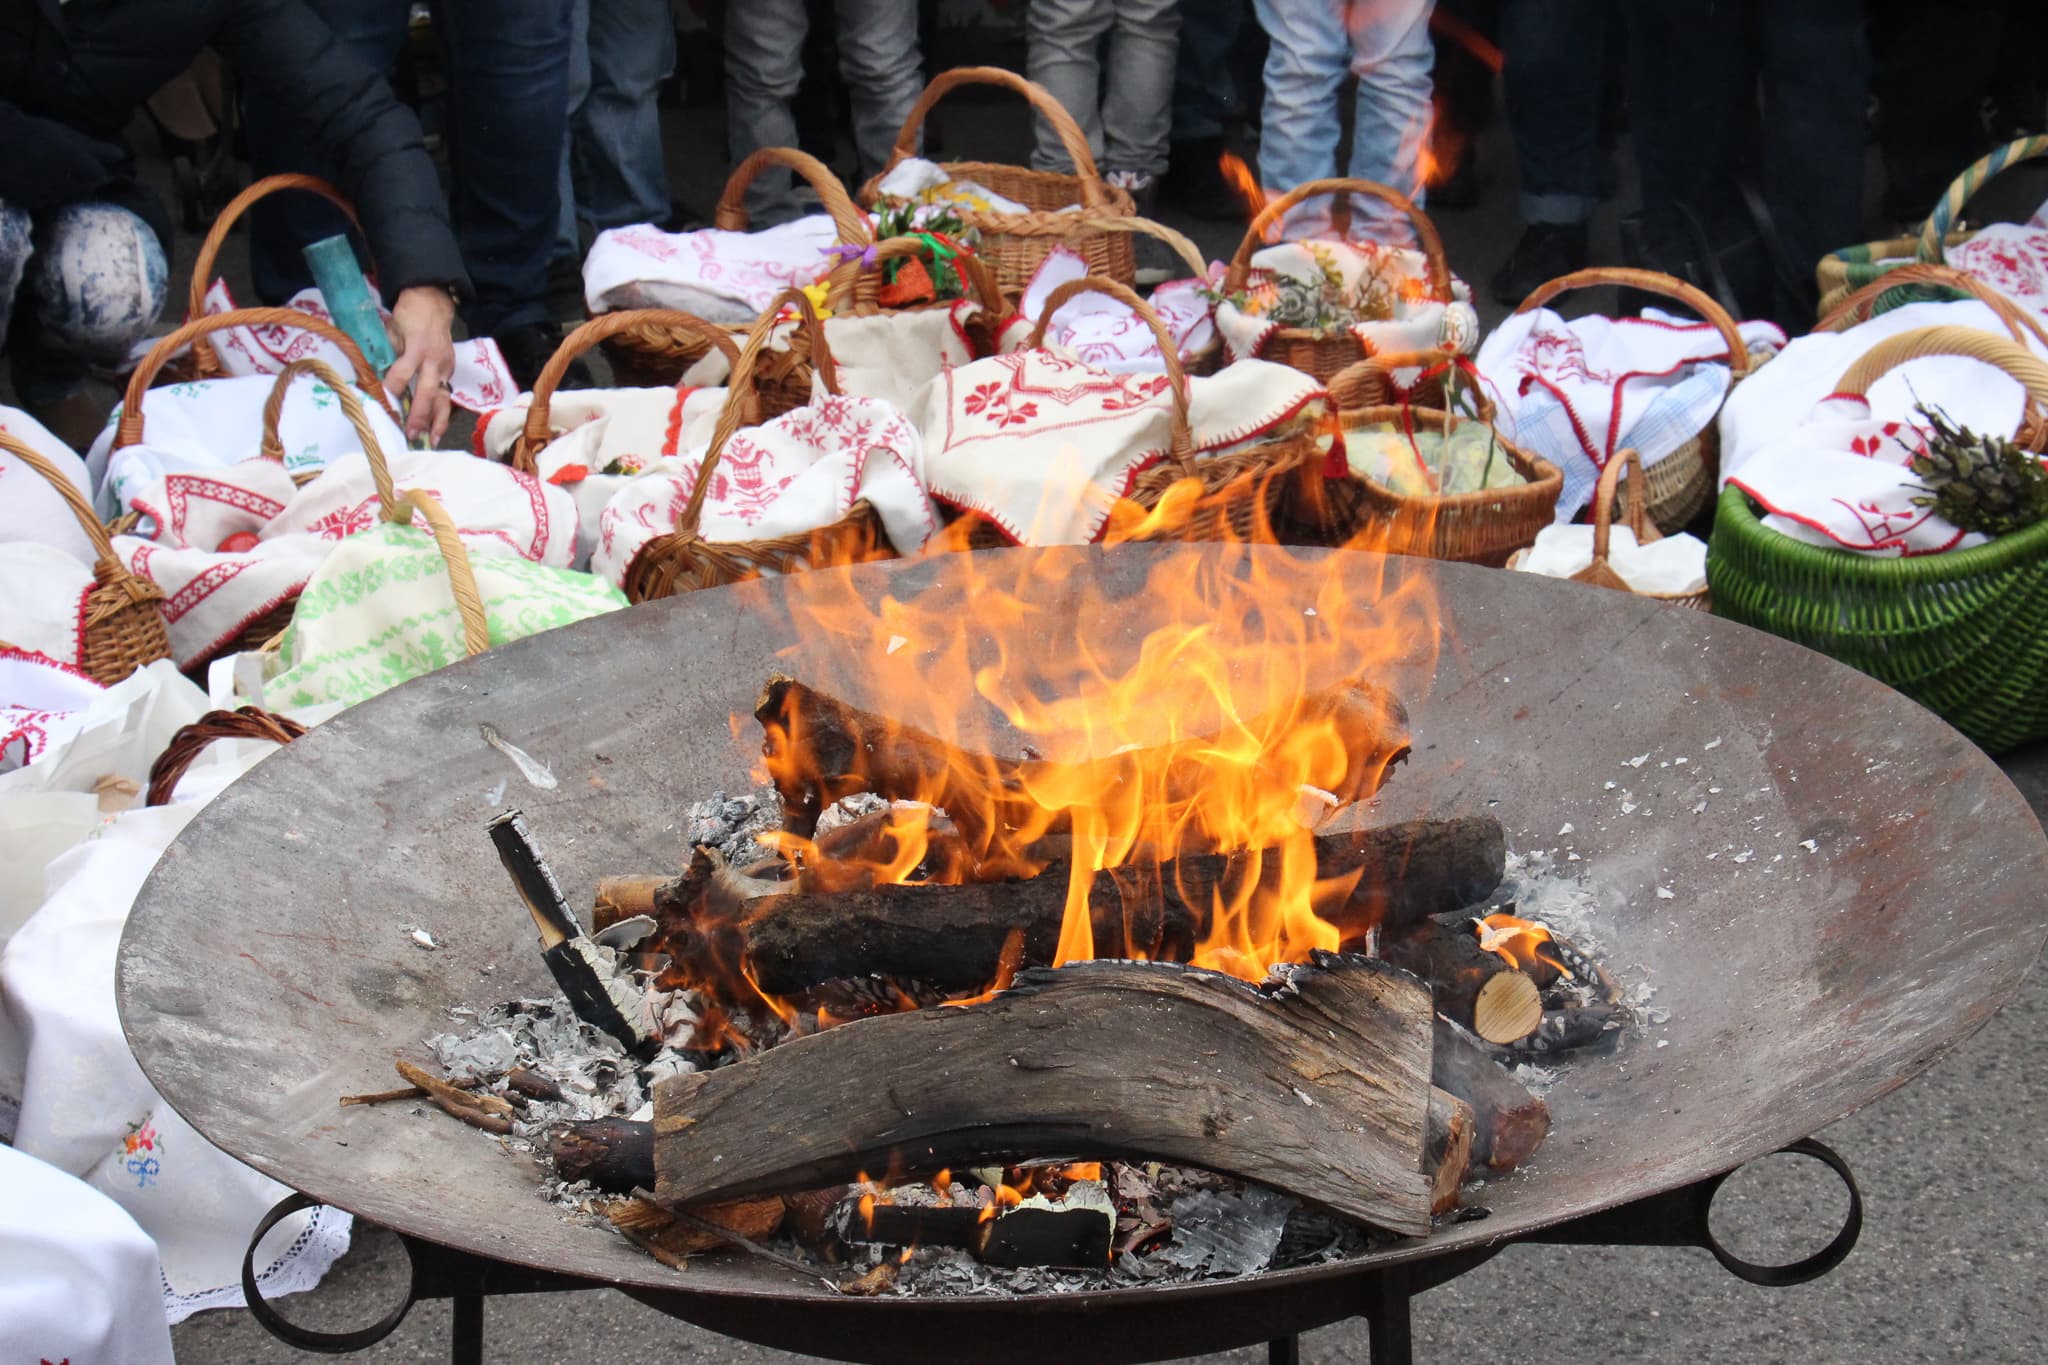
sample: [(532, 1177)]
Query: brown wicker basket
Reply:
[(1313, 352), (1482, 527), (538, 430), (1858, 307), (1237, 496), (683, 561), (124, 625), (856, 286), (1626, 463), (247, 722), (654, 353), (1682, 483), (1013, 244)]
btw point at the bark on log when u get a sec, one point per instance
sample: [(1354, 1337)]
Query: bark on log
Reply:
[(1476, 988), (820, 749), (616, 1155), (1509, 1123), (1318, 1087), (1447, 1150), (953, 937)]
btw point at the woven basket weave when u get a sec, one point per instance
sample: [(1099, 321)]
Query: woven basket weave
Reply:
[(856, 284), (190, 741), (1871, 299), (1013, 244), (1682, 483), (1842, 273), (653, 353), (1599, 572), (1314, 353), (683, 561), (1482, 527), (123, 625), (1964, 633)]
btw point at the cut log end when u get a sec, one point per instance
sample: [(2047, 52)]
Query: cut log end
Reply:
[(1507, 1008)]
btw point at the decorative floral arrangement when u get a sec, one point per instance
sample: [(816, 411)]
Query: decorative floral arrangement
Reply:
[(941, 226), (1322, 303)]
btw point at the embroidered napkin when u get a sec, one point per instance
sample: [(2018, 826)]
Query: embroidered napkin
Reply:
[(1103, 333), (30, 509), (41, 702), (724, 277), (927, 182), (1417, 322)]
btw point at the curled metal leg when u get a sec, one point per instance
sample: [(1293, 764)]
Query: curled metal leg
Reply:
[(1811, 1267), (306, 1338)]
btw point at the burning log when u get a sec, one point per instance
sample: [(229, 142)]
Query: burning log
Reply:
[(621, 898), (1509, 1123), (616, 1155), (1316, 1085), (1447, 1148), (820, 750), (1477, 988), (953, 937)]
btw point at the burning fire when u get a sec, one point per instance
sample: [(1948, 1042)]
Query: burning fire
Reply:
[(1523, 942), (1243, 184)]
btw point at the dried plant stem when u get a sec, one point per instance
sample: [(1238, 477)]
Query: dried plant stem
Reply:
[(410, 1092)]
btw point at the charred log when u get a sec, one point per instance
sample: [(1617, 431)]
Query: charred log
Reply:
[(1477, 988), (1316, 1086), (1509, 1123), (1447, 1148), (616, 1155)]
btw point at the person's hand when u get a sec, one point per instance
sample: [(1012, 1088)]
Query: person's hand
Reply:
[(422, 323)]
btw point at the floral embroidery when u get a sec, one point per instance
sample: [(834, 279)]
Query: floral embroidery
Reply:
[(139, 1149)]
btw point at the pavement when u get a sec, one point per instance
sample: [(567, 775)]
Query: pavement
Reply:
[(1950, 1266)]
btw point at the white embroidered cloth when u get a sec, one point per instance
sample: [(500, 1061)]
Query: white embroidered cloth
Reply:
[(42, 600), (29, 508), (893, 356), (1576, 392), (41, 703), (799, 472), (927, 182), (481, 380), (724, 277), (1418, 322), (1043, 445), (1103, 333), (78, 1279)]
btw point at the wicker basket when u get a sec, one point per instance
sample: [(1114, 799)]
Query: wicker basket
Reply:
[(1599, 573), (123, 625), (538, 430), (1842, 273), (1482, 527), (1210, 358), (654, 353), (1682, 483), (1873, 298), (247, 722), (856, 285), (1313, 352), (683, 561), (1013, 244), (1964, 633)]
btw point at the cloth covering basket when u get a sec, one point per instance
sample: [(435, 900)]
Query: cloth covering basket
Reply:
[(1682, 483), (1964, 633), (1012, 244), (1842, 273), (1626, 464)]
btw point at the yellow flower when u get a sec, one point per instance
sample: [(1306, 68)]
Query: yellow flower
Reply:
[(816, 294)]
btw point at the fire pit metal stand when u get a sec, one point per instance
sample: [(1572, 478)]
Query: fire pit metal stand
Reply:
[(1384, 1295)]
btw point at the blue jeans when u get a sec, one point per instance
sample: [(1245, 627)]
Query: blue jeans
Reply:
[(1385, 43), (613, 174), (1552, 51), (79, 286), (508, 75)]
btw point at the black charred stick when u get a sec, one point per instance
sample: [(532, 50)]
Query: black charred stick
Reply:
[(600, 998), (616, 1155)]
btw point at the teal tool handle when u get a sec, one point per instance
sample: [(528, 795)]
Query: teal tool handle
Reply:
[(333, 263)]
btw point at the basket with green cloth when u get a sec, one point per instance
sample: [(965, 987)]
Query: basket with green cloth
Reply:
[(1963, 633), (1843, 272)]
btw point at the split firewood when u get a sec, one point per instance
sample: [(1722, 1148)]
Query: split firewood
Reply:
[(670, 1239), (1447, 1149), (621, 898), (616, 1155), (820, 750), (952, 938), (812, 1218), (1509, 1123), (1477, 988), (1316, 1085)]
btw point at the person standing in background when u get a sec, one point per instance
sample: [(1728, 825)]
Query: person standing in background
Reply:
[(764, 42), (613, 172), (508, 77), (1386, 44), (1128, 118)]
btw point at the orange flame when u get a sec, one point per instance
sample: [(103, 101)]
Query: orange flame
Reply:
[(1243, 184), (1523, 942)]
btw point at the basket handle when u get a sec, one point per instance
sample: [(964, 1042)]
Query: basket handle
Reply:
[(273, 406), (1934, 236), (1179, 243), (537, 431), (1437, 267), (731, 213), (1093, 193), (1182, 451), (1857, 306), (1651, 282), (973, 271), (247, 722), (203, 355), (1625, 461), (130, 429), (1989, 347), (110, 565), (739, 400)]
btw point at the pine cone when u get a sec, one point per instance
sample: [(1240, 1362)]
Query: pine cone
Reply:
[(1979, 483)]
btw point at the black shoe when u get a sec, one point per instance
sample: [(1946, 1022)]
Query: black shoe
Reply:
[(1195, 183), (527, 349), (1545, 251), (1460, 189)]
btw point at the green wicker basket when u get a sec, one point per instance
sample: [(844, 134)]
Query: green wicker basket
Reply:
[(1965, 633), (1843, 272)]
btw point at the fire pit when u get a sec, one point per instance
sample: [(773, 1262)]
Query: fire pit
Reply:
[(1826, 886)]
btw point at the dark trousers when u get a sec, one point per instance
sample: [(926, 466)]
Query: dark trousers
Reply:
[(1205, 93), (508, 77), (1554, 69), (1935, 64)]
